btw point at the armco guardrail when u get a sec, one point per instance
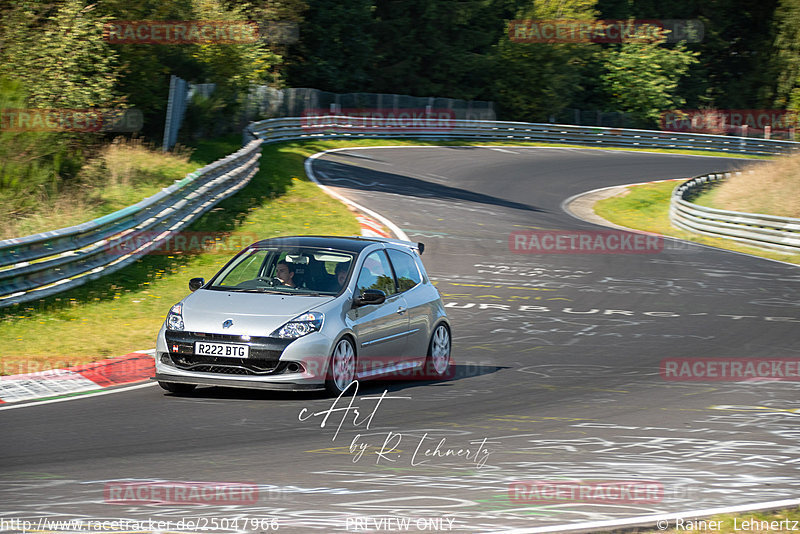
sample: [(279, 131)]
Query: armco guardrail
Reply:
[(339, 126), (39, 265), (770, 231)]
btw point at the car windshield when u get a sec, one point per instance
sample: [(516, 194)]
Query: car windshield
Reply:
[(295, 271)]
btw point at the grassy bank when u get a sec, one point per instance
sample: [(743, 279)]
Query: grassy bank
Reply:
[(121, 174), (646, 207), (772, 188)]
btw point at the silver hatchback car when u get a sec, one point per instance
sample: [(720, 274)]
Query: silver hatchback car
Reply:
[(307, 312)]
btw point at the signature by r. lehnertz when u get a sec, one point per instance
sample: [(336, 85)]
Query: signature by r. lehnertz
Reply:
[(424, 447)]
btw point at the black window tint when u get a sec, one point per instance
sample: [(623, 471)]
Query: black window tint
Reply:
[(376, 274), (406, 270)]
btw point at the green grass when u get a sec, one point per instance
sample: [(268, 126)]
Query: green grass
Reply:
[(120, 174), (646, 207)]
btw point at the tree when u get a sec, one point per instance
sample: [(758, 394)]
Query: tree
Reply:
[(640, 77), (786, 57), (337, 49), (734, 68), (147, 67), (59, 55), (433, 47), (534, 81)]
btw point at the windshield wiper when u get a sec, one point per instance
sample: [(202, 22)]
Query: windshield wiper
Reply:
[(226, 288), (273, 290)]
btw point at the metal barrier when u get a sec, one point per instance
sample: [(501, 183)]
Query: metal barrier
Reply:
[(770, 231), (43, 264), (40, 265), (339, 126)]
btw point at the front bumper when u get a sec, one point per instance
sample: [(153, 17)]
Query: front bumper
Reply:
[(249, 384), (289, 365)]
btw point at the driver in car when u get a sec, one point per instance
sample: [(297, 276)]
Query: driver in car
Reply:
[(285, 271)]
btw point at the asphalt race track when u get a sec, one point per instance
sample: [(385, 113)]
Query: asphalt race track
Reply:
[(557, 377)]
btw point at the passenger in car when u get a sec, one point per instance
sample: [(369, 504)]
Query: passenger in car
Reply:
[(341, 272)]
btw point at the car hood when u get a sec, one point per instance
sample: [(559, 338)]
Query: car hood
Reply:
[(255, 314)]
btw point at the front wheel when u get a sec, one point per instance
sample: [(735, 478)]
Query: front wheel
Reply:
[(438, 360), (342, 367), (177, 389)]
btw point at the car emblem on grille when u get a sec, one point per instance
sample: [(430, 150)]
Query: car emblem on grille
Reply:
[(227, 324)]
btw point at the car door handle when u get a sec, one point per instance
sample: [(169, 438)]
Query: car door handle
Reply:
[(401, 311)]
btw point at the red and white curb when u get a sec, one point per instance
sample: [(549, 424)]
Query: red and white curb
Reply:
[(371, 228), (134, 367)]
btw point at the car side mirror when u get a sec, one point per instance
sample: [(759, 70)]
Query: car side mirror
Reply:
[(369, 296), (196, 283)]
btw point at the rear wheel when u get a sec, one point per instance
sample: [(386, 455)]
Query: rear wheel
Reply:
[(342, 367), (438, 360), (177, 389)]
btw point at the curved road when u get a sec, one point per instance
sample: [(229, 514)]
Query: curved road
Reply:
[(557, 376)]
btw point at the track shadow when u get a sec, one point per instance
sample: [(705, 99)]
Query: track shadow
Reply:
[(354, 177), (457, 372)]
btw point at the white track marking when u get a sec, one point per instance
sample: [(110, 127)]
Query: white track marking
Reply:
[(77, 397), (386, 222)]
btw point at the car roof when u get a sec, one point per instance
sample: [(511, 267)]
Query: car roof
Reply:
[(348, 244)]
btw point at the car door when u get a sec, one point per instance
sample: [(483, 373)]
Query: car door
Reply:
[(381, 329), (409, 284)]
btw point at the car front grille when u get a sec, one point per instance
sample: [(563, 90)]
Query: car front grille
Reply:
[(264, 357), (228, 366)]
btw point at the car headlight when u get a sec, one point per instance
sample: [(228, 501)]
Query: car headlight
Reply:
[(300, 326), (175, 317)]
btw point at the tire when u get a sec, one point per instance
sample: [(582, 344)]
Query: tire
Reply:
[(341, 367), (438, 361), (177, 389)]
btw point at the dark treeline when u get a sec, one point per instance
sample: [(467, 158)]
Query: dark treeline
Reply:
[(53, 54), (746, 57)]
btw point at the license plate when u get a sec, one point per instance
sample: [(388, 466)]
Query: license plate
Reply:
[(228, 350)]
